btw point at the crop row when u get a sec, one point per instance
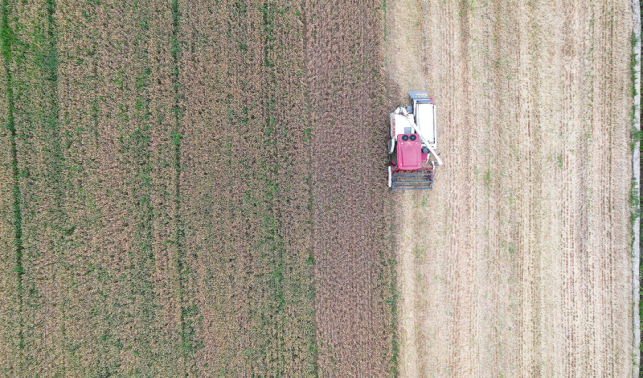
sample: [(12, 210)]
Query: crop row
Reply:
[(353, 272), (86, 281), (40, 169), (140, 319), (96, 161), (10, 247), (244, 174)]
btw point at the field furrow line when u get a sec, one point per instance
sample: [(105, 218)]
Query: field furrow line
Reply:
[(189, 312)]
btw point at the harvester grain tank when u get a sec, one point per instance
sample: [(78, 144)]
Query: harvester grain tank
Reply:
[(411, 149)]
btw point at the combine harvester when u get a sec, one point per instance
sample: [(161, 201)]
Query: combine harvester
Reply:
[(413, 141)]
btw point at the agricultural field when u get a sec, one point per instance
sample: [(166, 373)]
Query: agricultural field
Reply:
[(198, 189), (174, 197), (518, 264)]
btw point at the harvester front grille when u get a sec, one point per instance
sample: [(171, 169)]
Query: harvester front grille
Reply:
[(412, 181)]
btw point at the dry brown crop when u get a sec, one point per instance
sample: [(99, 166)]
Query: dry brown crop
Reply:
[(245, 178), (351, 211), (167, 184), (40, 168), (9, 276)]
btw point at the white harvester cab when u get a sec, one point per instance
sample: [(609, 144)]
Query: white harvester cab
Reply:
[(413, 142)]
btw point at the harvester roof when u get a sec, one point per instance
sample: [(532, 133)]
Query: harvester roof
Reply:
[(409, 152)]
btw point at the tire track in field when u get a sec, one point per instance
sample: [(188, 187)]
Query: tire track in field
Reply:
[(305, 36)]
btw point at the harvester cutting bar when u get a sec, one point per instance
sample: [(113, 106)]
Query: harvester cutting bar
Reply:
[(412, 181)]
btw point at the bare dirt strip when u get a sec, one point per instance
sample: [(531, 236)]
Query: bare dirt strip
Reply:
[(518, 262)]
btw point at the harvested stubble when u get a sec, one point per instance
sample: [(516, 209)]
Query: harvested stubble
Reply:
[(351, 210), (524, 247)]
